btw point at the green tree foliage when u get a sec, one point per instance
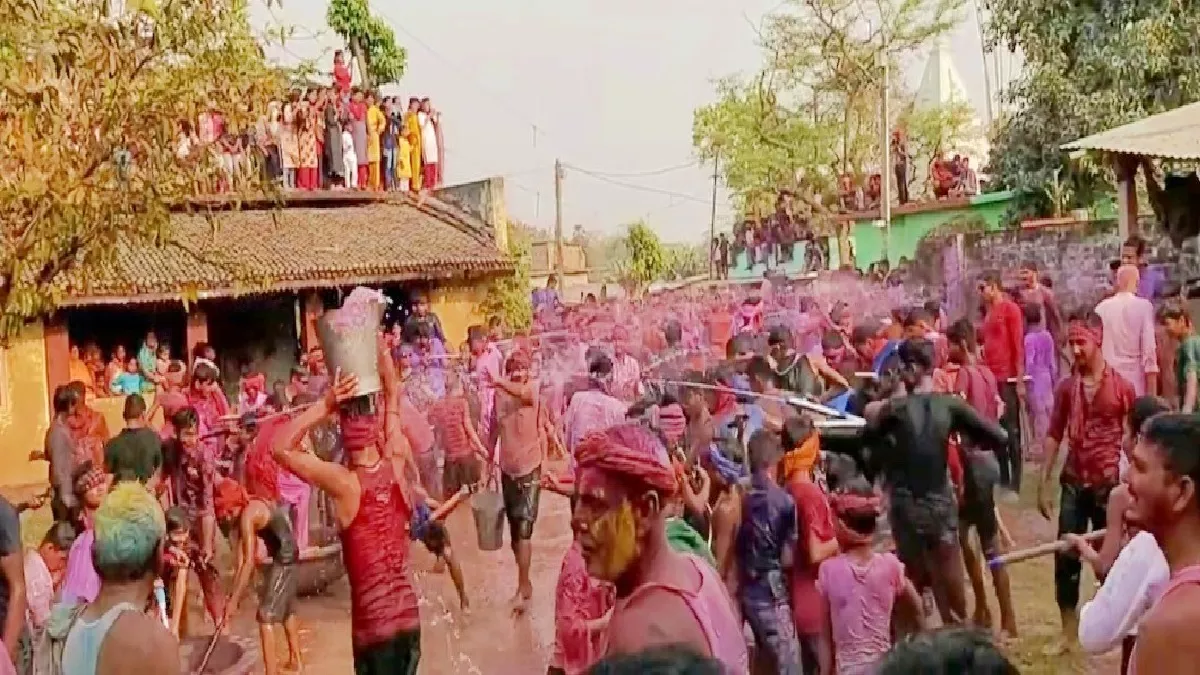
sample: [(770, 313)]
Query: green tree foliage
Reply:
[(509, 297), (90, 109), (371, 40), (684, 261), (1089, 66), (645, 261), (812, 112), (934, 131)]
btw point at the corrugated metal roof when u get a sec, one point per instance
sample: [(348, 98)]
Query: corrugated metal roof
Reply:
[(1174, 134)]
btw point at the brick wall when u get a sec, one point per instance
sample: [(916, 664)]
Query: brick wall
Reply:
[(1076, 258)]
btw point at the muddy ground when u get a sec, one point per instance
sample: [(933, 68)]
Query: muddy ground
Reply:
[(489, 641)]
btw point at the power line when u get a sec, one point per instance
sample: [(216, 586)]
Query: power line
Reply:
[(467, 72), (642, 174), (634, 186)]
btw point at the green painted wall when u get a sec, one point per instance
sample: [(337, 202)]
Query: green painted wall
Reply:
[(908, 228), (907, 231)]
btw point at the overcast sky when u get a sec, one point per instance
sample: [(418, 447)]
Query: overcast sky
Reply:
[(609, 87)]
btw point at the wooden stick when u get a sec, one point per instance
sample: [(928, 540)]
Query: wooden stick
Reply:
[(450, 504), (179, 600), (1040, 550), (212, 645)]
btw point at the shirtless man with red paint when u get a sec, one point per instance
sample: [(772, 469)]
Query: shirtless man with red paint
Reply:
[(374, 501)]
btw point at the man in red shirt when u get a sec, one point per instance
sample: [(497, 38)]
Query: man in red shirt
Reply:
[(1091, 407), (817, 537), (1004, 354)]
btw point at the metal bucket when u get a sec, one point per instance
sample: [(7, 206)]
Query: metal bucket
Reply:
[(353, 350), (488, 508)]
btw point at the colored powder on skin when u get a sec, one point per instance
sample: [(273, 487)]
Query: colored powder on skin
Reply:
[(128, 526), (616, 531)]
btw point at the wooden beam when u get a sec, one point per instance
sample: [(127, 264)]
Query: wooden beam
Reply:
[(1125, 167)]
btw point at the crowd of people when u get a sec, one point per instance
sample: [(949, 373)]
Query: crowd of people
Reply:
[(325, 137), (775, 239), (703, 501)]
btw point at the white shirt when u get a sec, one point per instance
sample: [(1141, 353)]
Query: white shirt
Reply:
[(348, 155), (1133, 585), (429, 139), (1129, 345)]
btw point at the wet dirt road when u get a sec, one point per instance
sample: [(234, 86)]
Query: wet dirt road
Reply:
[(488, 641)]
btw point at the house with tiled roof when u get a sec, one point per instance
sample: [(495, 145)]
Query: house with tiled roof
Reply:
[(251, 281)]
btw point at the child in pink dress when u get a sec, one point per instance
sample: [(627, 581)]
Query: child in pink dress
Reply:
[(859, 588)]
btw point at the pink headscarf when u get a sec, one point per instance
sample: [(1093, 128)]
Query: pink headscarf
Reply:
[(632, 452)]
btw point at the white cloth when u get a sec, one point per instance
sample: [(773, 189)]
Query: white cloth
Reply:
[(1129, 344), (39, 589), (349, 160), (429, 139), (1133, 585)]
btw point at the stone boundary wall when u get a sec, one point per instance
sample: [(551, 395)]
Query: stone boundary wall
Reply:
[(1076, 258)]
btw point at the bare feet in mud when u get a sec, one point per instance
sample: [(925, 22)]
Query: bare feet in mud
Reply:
[(520, 604), (982, 618), (439, 566), (1060, 647)]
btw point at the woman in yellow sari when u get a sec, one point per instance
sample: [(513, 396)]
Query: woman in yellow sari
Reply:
[(412, 133), (78, 371), (375, 123)]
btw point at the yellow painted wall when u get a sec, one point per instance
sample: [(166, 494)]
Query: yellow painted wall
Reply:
[(458, 309), (24, 407)]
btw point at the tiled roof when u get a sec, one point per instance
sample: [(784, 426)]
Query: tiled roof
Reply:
[(1174, 134), (228, 253)]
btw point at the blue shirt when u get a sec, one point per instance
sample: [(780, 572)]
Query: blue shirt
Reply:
[(768, 528), (128, 383)]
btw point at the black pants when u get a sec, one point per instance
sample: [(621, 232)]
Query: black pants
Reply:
[(1080, 509), (810, 654), (397, 656), (1010, 458), (902, 183)]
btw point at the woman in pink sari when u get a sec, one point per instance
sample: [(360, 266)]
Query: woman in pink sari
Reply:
[(80, 582)]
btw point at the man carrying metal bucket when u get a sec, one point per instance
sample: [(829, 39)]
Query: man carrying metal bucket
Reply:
[(520, 465), (373, 500)]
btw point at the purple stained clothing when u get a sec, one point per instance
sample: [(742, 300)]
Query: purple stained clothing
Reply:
[(768, 529), (1151, 282), (81, 583), (1041, 364), (295, 493)]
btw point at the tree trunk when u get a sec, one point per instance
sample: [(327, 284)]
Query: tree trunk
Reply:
[(364, 64)]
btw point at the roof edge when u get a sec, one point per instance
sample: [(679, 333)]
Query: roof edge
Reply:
[(485, 270)]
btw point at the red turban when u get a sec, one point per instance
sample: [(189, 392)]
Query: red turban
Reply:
[(228, 497), (1079, 331), (631, 451)]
